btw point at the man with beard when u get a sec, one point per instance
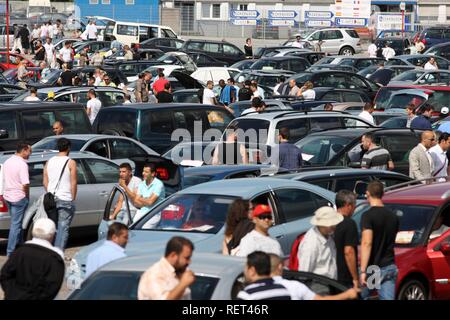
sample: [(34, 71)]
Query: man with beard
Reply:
[(169, 278)]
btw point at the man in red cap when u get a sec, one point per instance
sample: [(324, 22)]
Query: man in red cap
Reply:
[(259, 239)]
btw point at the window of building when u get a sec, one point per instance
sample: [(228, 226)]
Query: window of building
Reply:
[(93, 1), (211, 10), (129, 2), (106, 1)]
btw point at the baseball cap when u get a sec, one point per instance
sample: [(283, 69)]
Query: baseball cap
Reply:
[(261, 209), (45, 224), (444, 110), (51, 94), (326, 217)]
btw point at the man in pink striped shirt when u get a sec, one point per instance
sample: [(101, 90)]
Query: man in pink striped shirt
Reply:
[(16, 192)]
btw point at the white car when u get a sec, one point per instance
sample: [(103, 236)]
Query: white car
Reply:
[(336, 40), (214, 74)]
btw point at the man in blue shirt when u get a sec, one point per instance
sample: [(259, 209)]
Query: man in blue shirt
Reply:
[(423, 121), (290, 156), (150, 192), (112, 249)]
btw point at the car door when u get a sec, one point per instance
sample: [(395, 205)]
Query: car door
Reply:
[(104, 175), (156, 130), (440, 264), (333, 39), (295, 208)]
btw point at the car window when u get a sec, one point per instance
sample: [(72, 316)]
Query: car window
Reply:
[(399, 146), (355, 83), (357, 184), (99, 147), (230, 50), (168, 33), (159, 122), (351, 97), (111, 98), (164, 42), (298, 128), (331, 80), (103, 171), (331, 35), (260, 127), (332, 96), (352, 122), (74, 121), (80, 97), (434, 33), (127, 30), (297, 65), (119, 121), (322, 123), (212, 47), (122, 149), (176, 44), (8, 121), (38, 124), (315, 36), (36, 172), (296, 204), (352, 33), (326, 184), (442, 63), (194, 45), (391, 181), (218, 119), (322, 149)]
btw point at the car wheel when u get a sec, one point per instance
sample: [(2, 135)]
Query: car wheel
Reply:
[(347, 51), (413, 290)]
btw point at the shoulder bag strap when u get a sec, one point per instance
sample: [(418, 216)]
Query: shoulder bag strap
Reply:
[(60, 176)]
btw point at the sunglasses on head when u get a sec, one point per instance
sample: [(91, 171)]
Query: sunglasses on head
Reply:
[(265, 216)]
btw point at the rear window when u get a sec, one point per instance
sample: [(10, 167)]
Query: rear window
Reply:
[(8, 121), (127, 30), (116, 120), (352, 33), (260, 127), (74, 121)]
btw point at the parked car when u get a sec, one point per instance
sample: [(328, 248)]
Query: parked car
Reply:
[(431, 36), (164, 44), (342, 147), (96, 177), (153, 124), (204, 60), (266, 78), (422, 253), (9, 91), (108, 96), (32, 121), (116, 148), (281, 63), (311, 56), (271, 105), (337, 67), (336, 40), (441, 50), (357, 61), (217, 277), (395, 33), (244, 64), (293, 204), (13, 61), (418, 60), (221, 50), (398, 97), (214, 74), (422, 77), (352, 179), (400, 45), (340, 95), (383, 75), (337, 79), (186, 96)]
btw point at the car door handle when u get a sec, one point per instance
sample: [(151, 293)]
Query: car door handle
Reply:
[(103, 193), (281, 236)]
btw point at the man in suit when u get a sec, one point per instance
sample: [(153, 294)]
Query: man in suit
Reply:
[(420, 161)]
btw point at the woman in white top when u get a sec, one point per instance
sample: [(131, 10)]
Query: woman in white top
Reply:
[(431, 65), (307, 91)]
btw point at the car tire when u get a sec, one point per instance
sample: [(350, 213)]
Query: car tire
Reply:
[(114, 133), (347, 51), (413, 289)]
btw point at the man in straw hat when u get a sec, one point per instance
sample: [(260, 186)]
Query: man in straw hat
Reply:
[(317, 251)]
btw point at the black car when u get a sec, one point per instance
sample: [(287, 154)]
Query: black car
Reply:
[(400, 46), (141, 54), (244, 64), (9, 91), (281, 63), (311, 56), (131, 68), (220, 50), (442, 50), (154, 124), (358, 62), (267, 78), (339, 80), (32, 121), (383, 75), (91, 45), (203, 60), (342, 147), (340, 95), (163, 44), (186, 96), (262, 51), (337, 67), (356, 180)]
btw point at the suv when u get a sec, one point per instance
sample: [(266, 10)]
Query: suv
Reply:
[(336, 41), (295, 64), (164, 44), (300, 123), (153, 124), (220, 50), (31, 121), (433, 35)]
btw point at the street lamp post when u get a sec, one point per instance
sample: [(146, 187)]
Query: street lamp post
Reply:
[(7, 31), (402, 8)]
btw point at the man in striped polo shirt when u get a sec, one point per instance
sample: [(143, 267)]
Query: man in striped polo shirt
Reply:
[(375, 157), (262, 286)]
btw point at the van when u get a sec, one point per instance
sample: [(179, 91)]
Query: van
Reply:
[(3, 36), (129, 33), (38, 8), (32, 121), (153, 124)]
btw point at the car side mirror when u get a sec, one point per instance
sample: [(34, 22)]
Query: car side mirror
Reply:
[(445, 248), (4, 134)]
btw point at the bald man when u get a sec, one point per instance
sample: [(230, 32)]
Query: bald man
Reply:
[(58, 128), (420, 161)]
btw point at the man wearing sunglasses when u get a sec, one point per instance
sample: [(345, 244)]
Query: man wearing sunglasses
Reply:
[(421, 163), (259, 239)]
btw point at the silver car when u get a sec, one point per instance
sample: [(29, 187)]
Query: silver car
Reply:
[(336, 41), (217, 277), (422, 77), (96, 178)]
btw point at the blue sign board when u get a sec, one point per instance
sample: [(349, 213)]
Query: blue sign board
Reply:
[(320, 15), (282, 14), (244, 14)]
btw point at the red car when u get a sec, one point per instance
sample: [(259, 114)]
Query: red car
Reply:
[(421, 254), (13, 61)]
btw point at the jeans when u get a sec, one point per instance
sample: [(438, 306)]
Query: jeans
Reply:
[(66, 211), (386, 290), (16, 211)]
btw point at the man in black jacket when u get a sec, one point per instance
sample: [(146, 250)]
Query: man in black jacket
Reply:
[(35, 270)]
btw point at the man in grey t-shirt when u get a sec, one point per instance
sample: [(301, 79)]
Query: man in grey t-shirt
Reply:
[(375, 157)]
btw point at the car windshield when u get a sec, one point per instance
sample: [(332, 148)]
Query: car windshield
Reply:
[(265, 65), (123, 285), (408, 76), (51, 77), (253, 129), (201, 213), (50, 144), (387, 99), (414, 220), (318, 150), (166, 58)]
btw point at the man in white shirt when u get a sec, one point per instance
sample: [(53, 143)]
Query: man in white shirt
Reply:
[(33, 95), (439, 155), (93, 105), (388, 52), (372, 50), (366, 114), (208, 94), (259, 239), (65, 54), (431, 65), (91, 29), (317, 251), (297, 43)]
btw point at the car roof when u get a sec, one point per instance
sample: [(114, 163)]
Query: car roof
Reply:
[(36, 105), (282, 58), (57, 90), (212, 170), (85, 137), (338, 173), (155, 106), (203, 263), (295, 114), (355, 56), (46, 155), (208, 41), (432, 193), (246, 188)]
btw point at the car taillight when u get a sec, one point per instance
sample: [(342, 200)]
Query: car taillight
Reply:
[(3, 206), (162, 173)]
